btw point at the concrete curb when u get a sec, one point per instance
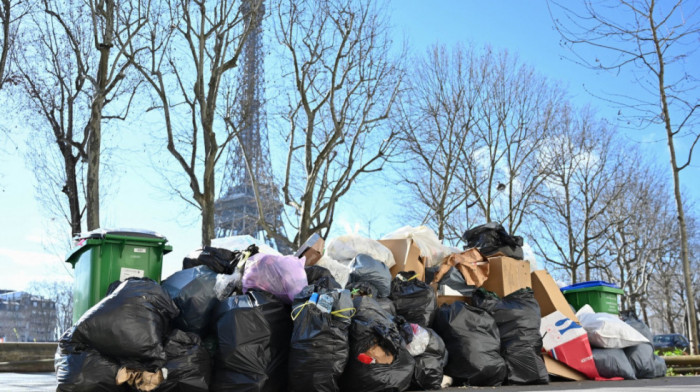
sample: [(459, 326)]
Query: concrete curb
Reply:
[(27, 357)]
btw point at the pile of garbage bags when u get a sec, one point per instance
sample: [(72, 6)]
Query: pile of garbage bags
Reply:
[(622, 348), (251, 319)]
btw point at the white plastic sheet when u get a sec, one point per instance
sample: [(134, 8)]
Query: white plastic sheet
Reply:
[(339, 271), (427, 241), (607, 330), (346, 247)]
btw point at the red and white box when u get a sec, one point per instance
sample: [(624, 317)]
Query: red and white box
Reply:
[(567, 342)]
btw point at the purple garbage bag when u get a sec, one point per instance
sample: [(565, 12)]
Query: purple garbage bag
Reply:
[(281, 276)]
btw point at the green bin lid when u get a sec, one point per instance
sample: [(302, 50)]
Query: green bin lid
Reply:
[(97, 236), (138, 233)]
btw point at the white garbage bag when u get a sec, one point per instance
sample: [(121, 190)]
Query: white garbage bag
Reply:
[(607, 330)]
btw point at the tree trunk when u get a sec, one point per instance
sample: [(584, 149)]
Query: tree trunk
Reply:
[(669, 314), (94, 126), (207, 219), (692, 319), (93, 170), (5, 51), (71, 191)]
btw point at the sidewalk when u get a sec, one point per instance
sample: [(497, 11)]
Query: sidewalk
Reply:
[(41, 382)]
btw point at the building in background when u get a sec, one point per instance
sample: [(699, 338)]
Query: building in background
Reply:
[(26, 317)]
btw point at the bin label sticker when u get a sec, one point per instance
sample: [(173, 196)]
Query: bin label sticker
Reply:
[(127, 273), (139, 250)]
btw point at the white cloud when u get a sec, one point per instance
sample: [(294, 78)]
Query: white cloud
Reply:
[(21, 267)]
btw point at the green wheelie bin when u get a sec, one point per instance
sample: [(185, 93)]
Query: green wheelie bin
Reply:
[(101, 257)]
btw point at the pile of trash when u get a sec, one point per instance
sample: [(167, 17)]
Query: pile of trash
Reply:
[(354, 314)]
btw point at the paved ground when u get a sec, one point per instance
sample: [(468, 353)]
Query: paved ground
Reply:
[(41, 382)]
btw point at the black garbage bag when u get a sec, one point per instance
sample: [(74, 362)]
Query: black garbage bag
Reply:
[(473, 345), (219, 260), (319, 347), (641, 356), (83, 369), (130, 324), (362, 289), (193, 292), (518, 318), (492, 238), (455, 281), (612, 362), (414, 299), (630, 317), (320, 276), (430, 363), (253, 332), (188, 365), (430, 273), (659, 366), (387, 305), (364, 268), (367, 289), (372, 328)]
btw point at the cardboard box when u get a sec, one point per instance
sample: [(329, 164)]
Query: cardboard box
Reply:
[(507, 275), (312, 249), (448, 299), (567, 342), (559, 369), (407, 257), (549, 296)]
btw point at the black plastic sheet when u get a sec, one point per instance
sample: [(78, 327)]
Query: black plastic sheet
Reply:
[(373, 326), (473, 345), (518, 318), (414, 299), (428, 372), (364, 268), (612, 362), (492, 238), (193, 292), (219, 260), (188, 365), (319, 346), (253, 332), (130, 324), (320, 276), (83, 369)]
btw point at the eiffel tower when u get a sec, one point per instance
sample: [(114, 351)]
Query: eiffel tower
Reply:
[(236, 211)]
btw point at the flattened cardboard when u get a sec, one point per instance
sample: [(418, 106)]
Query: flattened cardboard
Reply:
[(312, 250), (407, 257), (549, 296), (449, 299), (470, 263), (559, 369), (507, 275)]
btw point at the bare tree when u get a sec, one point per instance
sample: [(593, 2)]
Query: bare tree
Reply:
[(638, 243), (514, 116), (666, 297), (342, 86), (11, 14), (184, 55), (436, 115), (581, 169), (68, 76), (652, 43)]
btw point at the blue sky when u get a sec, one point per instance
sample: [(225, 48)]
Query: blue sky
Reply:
[(521, 27)]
